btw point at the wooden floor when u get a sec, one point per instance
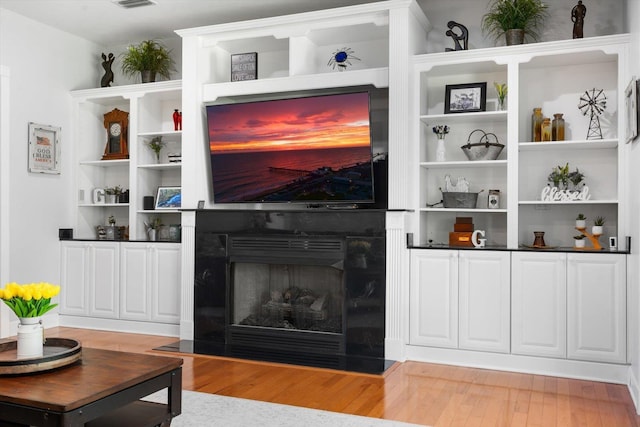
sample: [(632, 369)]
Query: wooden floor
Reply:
[(421, 393)]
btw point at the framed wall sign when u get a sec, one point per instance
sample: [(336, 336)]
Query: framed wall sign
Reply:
[(169, 198), (465, 98), (244, 66), (44, 148), (633, 115)]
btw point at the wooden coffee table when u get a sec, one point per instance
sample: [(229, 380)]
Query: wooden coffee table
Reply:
[(102, 389)]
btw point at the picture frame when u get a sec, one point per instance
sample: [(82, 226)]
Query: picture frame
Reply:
[(633, 115), (44, 148), (465, 98), (169, 198), (244, 66)]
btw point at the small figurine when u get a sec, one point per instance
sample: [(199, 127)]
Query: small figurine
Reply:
[(577, 17), (177, 120), (107, 79), (342, 58), (464, 36)]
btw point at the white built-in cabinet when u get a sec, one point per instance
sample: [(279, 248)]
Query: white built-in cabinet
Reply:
[(149, 278), (121, 281), (460, 299), (89, 279), (150, 107)]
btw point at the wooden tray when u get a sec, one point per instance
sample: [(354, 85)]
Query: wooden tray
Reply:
[(57, 352)]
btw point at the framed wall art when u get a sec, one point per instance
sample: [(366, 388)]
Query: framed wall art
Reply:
[(244, 66), (633, 115), (465, 98), (44, 148), (169, 198)]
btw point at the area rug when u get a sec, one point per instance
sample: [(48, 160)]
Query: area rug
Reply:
[(204, 409)]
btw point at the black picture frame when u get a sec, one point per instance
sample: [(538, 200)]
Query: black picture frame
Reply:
[(465, 98), (244, 66)]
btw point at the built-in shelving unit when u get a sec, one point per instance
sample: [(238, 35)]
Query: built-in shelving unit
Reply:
[(150, 107)]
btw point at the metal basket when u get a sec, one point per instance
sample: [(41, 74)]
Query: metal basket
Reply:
[(484, 149), (451, 199)]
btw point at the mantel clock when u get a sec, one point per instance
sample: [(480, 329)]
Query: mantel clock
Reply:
[(116, 123)]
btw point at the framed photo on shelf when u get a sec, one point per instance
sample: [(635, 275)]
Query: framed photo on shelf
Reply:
[(244, 66), (465, 98), (633, 115), (44, 148), (169, 198)]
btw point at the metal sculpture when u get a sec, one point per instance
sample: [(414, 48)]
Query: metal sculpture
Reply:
[(593, 102), (463, 36)]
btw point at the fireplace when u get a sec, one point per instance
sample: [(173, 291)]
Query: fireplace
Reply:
[(301, 287)]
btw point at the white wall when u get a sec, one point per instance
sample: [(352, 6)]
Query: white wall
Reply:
[(44, 64), (632, 25)]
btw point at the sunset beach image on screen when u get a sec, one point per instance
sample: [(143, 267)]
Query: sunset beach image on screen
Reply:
[(307, 149)]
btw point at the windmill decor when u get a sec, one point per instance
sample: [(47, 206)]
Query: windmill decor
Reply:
[(593, 102)]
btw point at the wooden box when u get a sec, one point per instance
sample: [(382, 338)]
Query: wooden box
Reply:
[(460, 238)]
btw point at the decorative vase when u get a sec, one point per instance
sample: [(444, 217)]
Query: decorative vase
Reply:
[(148, 76), (502, 104), (441, 152), (30, 337), (545, 129), (536, 125), (152, 233), (538, 242), (596, 230), (514, 36), (557, 127)]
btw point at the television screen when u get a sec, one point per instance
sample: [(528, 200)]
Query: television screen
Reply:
[(309, 149)]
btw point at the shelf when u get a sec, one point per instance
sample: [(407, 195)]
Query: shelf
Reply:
[(496, 211), (105, 163), (572, 202), (599, 144), (464, 164), (161, 166), (159, 211), (102, 205), (161, 133), (479, 117)]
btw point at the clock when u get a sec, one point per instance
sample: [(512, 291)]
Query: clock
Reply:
[(116, 123)]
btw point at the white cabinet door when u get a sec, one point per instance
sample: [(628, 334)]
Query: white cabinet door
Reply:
[(596, 309), (135, 268), (434, 298), (150, 282), (89, 279), (165, 283), (485, 303), (539, 301)]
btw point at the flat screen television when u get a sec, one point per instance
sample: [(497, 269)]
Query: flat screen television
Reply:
[(312, 149)]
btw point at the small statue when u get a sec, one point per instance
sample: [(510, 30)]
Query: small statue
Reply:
[(577, 17), (107, 79), (464, 36), (177, 120)]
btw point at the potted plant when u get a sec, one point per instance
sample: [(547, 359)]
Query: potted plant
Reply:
[(576, 177), (581, 221), (156, 145), (559, 176), (501, 90), (516, 19), (149, 58), (596, 229), (152, 228), (112, 193), (579, 240)]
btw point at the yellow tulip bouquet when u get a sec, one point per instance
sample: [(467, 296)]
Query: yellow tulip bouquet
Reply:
[(29, 300)]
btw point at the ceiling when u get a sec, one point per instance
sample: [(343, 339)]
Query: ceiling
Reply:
[(108, 24)]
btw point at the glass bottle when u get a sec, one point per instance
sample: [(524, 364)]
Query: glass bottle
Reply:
[(536, 123), (557, 127), (546, 129)]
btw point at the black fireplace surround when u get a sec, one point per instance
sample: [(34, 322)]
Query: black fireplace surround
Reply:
[(303, 287)]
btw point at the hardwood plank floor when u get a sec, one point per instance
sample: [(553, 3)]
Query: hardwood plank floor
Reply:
[(421, 393)]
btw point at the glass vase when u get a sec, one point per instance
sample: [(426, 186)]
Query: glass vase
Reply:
[(536, 125), (557, 127), (545, 130)]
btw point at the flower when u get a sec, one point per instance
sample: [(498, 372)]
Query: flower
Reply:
[(441, 130), (29, 300), (156, 145), (502, 90)]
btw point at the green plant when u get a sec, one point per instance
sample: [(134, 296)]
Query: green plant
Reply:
[(599, 221), (559, 175), (576, 177), (154, 224), (112, 220), (581, 217), (117, 190), (502, 90), (149, 55), (579, 236), (503, 15), (156, 145)]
